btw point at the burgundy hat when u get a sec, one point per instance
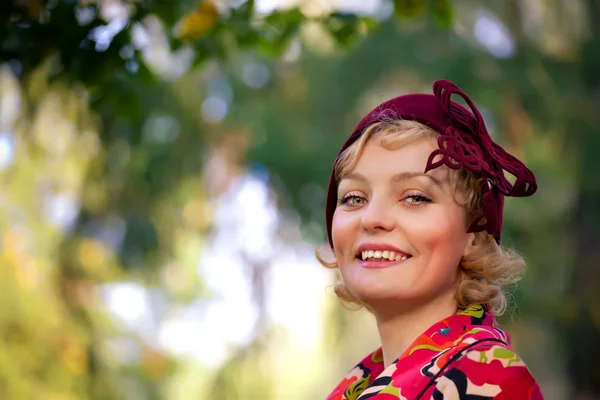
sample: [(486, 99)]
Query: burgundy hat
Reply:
[(464, 142)]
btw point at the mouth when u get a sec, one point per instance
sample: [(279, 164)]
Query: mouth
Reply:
[(375, 254), (379, 255)]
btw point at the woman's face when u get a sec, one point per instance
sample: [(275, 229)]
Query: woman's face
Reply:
[(398, 234)]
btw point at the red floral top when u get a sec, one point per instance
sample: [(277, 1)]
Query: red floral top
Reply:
[(465, 356)]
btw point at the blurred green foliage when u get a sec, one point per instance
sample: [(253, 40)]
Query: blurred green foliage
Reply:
[(541, 98)]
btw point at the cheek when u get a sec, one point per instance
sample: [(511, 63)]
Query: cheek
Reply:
[(441, 231), (343, 231)]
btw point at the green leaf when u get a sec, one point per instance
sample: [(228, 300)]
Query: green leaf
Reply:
[(443, 13), (169, 11), (347, 29), (410, 9), (281, 19)]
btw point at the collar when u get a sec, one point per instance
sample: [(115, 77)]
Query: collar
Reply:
[(429, 351)]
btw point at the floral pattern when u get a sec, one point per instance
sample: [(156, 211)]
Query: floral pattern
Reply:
[(465, 356)]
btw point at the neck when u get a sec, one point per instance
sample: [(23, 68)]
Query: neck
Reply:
[(399, 329)]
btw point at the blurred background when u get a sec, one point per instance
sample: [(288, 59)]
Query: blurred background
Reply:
[(163, 167)]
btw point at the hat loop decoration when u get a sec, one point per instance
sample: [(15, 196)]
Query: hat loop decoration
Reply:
[(467, 144), (478, 143), (464, 142)]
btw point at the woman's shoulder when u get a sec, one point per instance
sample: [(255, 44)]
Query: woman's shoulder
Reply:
[(492, 370)]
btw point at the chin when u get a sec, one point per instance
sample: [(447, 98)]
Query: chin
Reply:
[(389, 296), (388, 293)]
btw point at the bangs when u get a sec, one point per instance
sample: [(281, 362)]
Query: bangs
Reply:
[(391, 135)]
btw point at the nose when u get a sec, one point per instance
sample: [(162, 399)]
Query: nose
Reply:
[(377, 216)]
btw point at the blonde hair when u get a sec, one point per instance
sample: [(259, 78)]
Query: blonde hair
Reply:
[(486, 276)]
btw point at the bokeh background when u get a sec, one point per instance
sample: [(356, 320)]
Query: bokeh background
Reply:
[(163, 167)]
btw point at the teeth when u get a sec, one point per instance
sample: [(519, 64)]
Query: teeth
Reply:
[(385, 255)]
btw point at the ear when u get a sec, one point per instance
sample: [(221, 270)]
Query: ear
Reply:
[(472, 246)]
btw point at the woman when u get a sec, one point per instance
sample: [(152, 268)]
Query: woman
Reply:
[(414, 218)]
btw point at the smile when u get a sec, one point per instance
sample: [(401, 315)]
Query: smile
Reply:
[(385, 255), (380, 255)]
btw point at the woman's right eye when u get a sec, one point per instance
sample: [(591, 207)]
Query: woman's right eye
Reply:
[(352, 200)]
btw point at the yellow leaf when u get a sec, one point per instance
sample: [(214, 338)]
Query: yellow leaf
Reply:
[(27, 273), (199, 22), (155, 364), (93, 255), (74, 356), (197, 213)]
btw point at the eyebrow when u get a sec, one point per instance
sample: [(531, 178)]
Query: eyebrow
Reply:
[(400, 177)]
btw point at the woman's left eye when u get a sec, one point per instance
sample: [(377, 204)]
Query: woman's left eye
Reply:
[(352, 200), (417, 199)]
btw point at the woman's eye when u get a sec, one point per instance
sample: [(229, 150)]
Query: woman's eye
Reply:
[(417, 199), (352, 200)]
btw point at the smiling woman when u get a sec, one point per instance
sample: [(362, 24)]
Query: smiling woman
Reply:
[(414, 216), (485, 274)]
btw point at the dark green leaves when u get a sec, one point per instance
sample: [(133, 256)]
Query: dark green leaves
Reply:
[(410, 9), (442, 11)]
